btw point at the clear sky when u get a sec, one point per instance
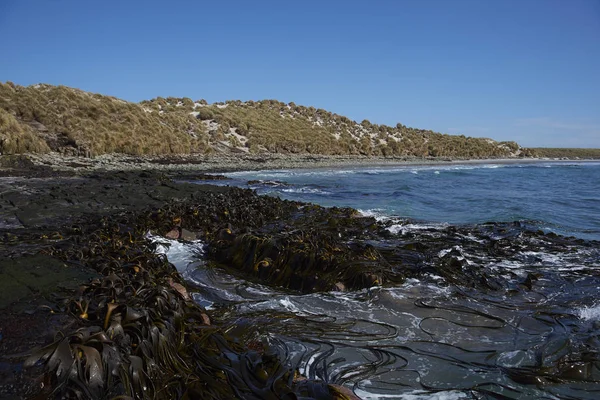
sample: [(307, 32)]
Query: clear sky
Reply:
[(524, 70)]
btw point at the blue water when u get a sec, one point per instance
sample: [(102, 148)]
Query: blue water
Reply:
[(553, 196), (535, 335)]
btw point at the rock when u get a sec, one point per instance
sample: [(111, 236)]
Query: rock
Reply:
[(174, 233), (187, 235)]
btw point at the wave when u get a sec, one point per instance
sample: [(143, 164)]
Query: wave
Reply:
[(401, 168), (415, 169), (399, 225), (284, 173), (377, 213), (408, 227), (305, 189)]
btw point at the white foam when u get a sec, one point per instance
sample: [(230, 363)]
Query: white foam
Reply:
[(286, 173), (398, 225), (405, 228), (516, 358), (471, 238), (180, 254), (376, 213), (305, 190), (591, 313), (288, 304), (443, 252), (414, 395), (542, 258), (413, 288), (505, 264), (271, 183)]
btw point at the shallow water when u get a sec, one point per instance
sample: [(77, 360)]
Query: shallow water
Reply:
[(532, 331), (560, 197)]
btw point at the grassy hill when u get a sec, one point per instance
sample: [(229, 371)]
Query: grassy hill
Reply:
[(571, 153), (76, 122), (42, 118)]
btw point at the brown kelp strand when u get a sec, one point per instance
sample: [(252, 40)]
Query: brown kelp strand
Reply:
[(138, 333)]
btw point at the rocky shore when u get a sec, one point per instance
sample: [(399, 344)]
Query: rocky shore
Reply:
[(89, 310), (237, 162)]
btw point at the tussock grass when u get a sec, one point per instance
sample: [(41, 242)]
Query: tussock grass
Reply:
[(277, 127), (17, 138), (77, 122), (567, 152)]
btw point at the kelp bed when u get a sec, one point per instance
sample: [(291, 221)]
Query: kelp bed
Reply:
[(511, 322), (137, 333)]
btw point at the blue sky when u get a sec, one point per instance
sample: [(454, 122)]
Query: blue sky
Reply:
[(524, 70)]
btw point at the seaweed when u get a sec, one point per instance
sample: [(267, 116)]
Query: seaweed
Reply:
[(140, 334)]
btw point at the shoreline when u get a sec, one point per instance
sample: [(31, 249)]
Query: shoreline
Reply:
[(111, 211), (245, 162), (65, 241)]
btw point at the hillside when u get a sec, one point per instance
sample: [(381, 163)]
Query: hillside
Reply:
[(42, 118), (571, 153)]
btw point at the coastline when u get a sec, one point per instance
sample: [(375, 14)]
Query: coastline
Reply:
[(55, 202), (70, 243), (247, 162)]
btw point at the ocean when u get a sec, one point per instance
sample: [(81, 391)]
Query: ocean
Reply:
[(563, 197), (528, 328)]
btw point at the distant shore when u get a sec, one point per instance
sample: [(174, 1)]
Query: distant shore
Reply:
[(243, 162)]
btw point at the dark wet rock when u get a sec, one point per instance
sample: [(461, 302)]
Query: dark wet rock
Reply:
[(37, 275), (24, 326), (190, 177)]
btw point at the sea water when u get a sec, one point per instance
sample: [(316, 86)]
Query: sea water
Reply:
[(559, 196), (428, 338)]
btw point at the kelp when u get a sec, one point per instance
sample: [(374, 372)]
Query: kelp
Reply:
[(294, 245), (140, 335)]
